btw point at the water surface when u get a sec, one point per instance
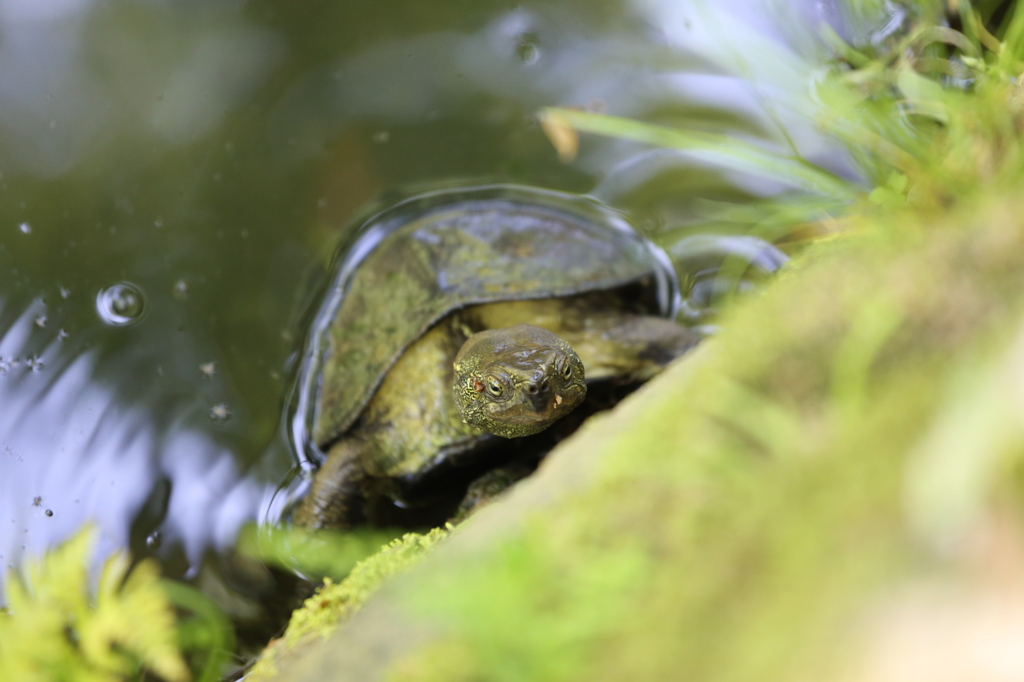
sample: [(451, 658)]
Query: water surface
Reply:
[(176, 176)]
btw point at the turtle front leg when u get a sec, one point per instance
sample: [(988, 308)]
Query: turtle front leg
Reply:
[(628, 346), (337, 498), (611, 341), (486, 488)]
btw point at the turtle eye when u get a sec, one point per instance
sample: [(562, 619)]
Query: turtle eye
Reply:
[(567, 372), (494, 387)]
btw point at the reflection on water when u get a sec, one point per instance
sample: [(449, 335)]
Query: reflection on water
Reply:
[(72, 451), (174, 177)]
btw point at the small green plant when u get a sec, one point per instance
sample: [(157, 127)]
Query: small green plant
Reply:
[(929, 115), (56, 629), (129, 624)]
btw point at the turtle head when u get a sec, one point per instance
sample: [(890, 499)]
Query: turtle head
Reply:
[(517, 381)]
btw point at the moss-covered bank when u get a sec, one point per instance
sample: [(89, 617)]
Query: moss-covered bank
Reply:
[(832, 488), (854, 436)]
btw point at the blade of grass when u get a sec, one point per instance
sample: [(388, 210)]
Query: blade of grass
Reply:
[(719, 149), (1013, 42), (209, 631)]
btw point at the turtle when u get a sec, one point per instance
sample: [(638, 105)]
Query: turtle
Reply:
[(462, 320)]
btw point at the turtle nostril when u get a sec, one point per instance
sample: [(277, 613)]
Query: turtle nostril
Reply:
[(531, 389), (544, 386)]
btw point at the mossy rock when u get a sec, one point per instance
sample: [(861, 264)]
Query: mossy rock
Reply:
[(773, 506)]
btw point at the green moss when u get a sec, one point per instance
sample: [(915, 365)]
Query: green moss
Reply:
[(333, 602)]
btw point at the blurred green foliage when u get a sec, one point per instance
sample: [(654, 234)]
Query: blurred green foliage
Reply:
[(325, 554), (128, 624), (55, 628), (929, 113)]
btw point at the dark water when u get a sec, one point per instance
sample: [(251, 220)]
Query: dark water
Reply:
[(176, 175)]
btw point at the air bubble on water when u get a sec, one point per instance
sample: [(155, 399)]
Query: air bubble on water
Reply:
[(40, 321), (180, 289), (526, 49), (208, 369), (25, 228), (154, 539), (61, 335), (34, 363), (159, 222), (49, 512), (220, 412), (64, 293), (121, 304)]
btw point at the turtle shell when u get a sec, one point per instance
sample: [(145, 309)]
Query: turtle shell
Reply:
[(429, 256)]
